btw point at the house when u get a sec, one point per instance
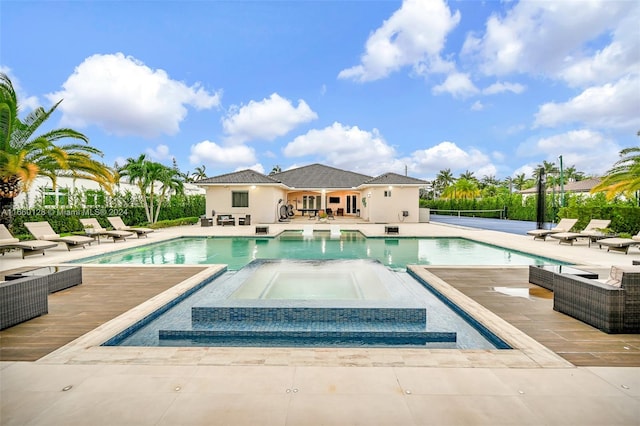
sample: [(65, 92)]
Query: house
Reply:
[(575, 187), (307, 190)]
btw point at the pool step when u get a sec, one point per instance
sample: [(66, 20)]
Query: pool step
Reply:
[(211, 315), (279, 337)]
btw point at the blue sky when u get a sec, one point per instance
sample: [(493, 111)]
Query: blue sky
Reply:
[(368, 86)]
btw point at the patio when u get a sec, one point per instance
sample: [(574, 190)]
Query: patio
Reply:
[(329, 386)]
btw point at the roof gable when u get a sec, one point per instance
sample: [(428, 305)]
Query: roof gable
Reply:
[(394, 179), (320, 176), (241, 177)]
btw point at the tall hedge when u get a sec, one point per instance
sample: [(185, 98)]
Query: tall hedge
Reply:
[(65, 220)]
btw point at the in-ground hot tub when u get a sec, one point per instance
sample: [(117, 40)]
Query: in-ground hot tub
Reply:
[(325, 301)]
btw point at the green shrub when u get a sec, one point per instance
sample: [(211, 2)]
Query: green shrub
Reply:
[(175, 222)]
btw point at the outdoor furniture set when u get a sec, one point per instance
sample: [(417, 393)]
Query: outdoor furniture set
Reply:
[(611, 305), (24, 295)]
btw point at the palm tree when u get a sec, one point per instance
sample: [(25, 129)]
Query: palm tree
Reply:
[(199, 173), (520, 181), (171, 181), (549, 169), (275, 169), (443, 180), (624, 177), (462, 189), (468, 176), (150, 176), (135, 169), (25, 155)]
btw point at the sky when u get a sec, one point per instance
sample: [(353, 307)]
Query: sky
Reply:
[(411, 87)]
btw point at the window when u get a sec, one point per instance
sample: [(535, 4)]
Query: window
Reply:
[(94, 198), (56, 197), (387, 193), (334, 200), (239, 199)]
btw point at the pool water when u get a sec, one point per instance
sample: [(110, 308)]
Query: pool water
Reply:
[(395, 253), (404, 313)]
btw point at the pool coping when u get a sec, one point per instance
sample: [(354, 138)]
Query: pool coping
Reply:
[(87, 349)]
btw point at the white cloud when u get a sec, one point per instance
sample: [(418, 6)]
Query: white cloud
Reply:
[(459, 85), (609, 106), (27, 103), (447, 155), (346, 147), (587, 150), (499, 87), (553, 37), (414, 35), (527, 169), (477, 106), (125, 97), (210, 153), (267, 119), (159, 153)]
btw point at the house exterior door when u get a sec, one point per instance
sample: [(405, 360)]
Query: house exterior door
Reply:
[(352, 204)]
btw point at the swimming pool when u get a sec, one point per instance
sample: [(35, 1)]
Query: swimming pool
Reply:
[(395, 253), (389, 309)]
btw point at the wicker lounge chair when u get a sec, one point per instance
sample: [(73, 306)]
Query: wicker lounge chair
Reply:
[(620, 244), (119, 224), (92, 226), (564, 225), (590, 231), (44, 231), (612, 306), (30, 247)]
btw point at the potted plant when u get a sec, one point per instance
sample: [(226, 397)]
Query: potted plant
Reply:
[(322, 216)]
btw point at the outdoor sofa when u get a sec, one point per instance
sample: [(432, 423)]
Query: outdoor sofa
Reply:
[(225, 219), (611, 305), (23, 299)]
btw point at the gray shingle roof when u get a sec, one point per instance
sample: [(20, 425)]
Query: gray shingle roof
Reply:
[(320, 176), (241, 177), (313, 176), (395, 179)]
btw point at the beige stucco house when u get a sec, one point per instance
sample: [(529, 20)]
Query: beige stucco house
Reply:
[(388, 198)]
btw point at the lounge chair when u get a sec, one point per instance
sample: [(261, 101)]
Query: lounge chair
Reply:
[(30, 247), (118, 223), (590, 231), (564, 225), (619, 244), (44, 231), (92, 226), (329, 212)]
